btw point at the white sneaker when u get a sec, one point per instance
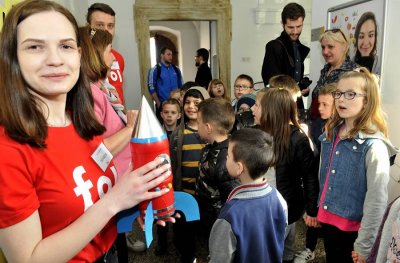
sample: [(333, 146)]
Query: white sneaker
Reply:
[(134, 244), (304, 256)]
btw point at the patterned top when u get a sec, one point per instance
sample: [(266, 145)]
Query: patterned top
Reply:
[(191, 154), (324, 79), (334, 76)]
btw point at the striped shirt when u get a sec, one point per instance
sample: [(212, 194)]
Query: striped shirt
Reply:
[(191, 154)]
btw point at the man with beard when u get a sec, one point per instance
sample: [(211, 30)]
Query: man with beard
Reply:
[(203, 76), (285, 54), (163, 78)]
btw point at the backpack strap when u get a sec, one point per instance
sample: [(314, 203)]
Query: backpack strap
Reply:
[(158, 75), (291, 62)]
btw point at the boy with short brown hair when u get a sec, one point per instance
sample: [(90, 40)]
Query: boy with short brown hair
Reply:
[(215, 119), (170, 113), (251, 225)]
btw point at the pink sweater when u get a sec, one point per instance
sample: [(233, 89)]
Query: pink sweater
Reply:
[(113, 123)]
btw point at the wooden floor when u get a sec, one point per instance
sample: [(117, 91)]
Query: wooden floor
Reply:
[(172, 256)]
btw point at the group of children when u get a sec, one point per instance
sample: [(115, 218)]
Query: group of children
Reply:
[(241, 178)]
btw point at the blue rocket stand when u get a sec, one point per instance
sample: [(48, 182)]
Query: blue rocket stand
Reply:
[(183, 202)]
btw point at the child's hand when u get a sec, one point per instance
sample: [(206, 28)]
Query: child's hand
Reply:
[(357, 258), (161, 222), (311, 221)]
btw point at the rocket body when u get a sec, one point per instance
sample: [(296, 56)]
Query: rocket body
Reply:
[(149, 141), (145, 150)]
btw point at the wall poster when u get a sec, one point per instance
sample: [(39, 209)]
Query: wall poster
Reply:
[(363, 22)]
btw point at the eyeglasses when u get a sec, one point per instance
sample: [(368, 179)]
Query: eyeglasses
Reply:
[(348, 95), (336, 30), (241, 87)]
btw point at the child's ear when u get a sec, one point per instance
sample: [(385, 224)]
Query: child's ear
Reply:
[(179, 115), (209, 127), (240, 168)]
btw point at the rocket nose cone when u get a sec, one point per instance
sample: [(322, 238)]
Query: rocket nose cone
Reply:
[(147, 124)]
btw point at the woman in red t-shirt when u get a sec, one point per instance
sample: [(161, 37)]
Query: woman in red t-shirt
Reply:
[(57, 180)]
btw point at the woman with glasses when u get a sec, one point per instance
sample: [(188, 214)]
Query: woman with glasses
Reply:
[(354, 169), (335, 48)]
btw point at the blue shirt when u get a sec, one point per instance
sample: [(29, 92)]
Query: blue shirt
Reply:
[(168, 81)]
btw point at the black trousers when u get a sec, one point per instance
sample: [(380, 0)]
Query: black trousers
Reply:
[(338, 244), (312, 235), (185, 238)]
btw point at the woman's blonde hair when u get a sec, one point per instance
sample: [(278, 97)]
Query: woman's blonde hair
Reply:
[(336, 35), (371, 118)]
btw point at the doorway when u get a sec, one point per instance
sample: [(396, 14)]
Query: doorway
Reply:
[(218, 11)]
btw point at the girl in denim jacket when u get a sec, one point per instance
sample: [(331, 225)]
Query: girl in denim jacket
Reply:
[(354, 169)]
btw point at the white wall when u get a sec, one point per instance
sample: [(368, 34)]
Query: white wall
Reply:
[(390, 72)]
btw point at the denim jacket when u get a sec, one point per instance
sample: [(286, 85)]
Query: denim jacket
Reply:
[(347, 176), (357, 185)]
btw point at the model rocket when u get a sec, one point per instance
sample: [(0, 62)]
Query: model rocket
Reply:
[(149, 141)]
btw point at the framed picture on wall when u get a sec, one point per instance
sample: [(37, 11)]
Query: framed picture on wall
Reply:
[(362, 21)]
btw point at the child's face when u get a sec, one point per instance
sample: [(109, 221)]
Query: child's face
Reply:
[(256, 109), (244, 107), (182, 94), (202, 127), (350, 109), (190, 107), (218, 90), (325, 105), (176, 95), (170, 114), (242, 86)]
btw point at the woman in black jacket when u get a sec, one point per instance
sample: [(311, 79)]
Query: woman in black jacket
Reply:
[(296, 169)]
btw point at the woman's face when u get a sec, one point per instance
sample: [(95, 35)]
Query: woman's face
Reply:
[(48, 55), (108, 56), (366, 38), (333, 52)]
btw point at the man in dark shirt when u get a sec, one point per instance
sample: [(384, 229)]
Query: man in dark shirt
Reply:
[(203, 76), (285, 54)]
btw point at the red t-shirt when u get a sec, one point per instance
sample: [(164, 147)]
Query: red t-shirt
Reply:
[(59, 182), (116, 77)]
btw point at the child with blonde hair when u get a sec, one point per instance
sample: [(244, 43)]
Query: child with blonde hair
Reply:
[(354, 168)]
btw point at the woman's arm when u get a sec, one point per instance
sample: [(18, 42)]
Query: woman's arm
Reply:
[(23, 242), (118, 141)]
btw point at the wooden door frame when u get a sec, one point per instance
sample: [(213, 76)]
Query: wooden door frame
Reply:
[(184, 10)]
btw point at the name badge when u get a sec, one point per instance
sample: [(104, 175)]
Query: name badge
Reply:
[(115, 65), (102, 157)]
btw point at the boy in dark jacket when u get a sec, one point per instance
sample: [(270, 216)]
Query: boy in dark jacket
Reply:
[(215, 119)]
